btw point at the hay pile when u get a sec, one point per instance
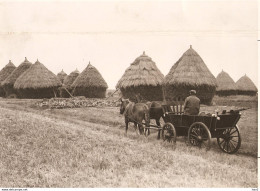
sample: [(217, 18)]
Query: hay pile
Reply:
[(225, 85), (37, 82), (68, 81), (190, 72), (142, 77), (90, 84), (76, 102), (61, 75), (8, 83), (245, 86), (4, 73)]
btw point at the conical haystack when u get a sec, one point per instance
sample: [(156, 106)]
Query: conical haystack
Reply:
[(61, 75), (190, 72), (68, 81), (4, 73), (8, 83), (245, 86), (225, 85), (37, 82), (142, 78), (90, 84)]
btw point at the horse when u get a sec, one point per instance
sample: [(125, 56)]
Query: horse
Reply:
[(156, 112), (136, 113)]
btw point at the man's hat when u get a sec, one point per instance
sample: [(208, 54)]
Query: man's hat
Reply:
[(193, 92)]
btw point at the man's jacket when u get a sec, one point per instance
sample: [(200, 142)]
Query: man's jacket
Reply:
[(192, 105)]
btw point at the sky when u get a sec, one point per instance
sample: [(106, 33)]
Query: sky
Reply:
[(112, 34)]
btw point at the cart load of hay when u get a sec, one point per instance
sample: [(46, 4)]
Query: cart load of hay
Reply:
[(61, 75), (142, 78), (190, 72), (8, 83), (90, 84), (66, 89), (37, 82), (245, 86), (4, 73)]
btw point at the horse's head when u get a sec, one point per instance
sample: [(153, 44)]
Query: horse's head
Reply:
[(124, 103)]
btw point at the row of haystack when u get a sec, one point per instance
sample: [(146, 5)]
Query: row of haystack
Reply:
[(36, 81), (227, 86), (143, 80)]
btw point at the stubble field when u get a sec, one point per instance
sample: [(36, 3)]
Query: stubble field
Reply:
[(86, 147)]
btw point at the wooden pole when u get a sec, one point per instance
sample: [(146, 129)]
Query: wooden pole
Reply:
[(68, 92), (112, 94)]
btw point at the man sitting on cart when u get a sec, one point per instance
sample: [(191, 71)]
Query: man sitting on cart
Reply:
[(192, 104)]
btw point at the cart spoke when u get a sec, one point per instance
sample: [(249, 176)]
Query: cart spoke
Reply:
[(221, 141), (232, 144), (195, 132), (194, 136), (233, 141), (227, 145), (233, 132)]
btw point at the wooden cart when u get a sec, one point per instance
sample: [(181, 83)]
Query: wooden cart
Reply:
[(200, 129)]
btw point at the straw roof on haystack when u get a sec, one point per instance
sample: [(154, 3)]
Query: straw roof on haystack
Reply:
[(245, 86), (142, 77), (61, 75), (37, 82), (8, 83), (190, 69), (190, 72), (90, 83), (142, 72), (68, 81), (4, 73), (225, 84)]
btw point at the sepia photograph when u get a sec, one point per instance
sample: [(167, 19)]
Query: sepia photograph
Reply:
[(129, 94)]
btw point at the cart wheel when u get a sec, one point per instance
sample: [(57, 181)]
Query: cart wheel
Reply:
[(199, 135), (169, 133), (230, 141)]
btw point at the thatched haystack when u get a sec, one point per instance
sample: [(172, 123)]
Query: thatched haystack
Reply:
[(190, 72), (61, 75), (8, 83), (245, 86), (4, 73), (90, 84), (225, 85), (37, 82), (142, 78), (68, 81)]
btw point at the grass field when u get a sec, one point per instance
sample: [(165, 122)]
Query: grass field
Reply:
[(86, 147)]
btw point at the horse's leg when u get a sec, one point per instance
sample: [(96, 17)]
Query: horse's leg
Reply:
[(142, 128), (126, 126), (159, 131), (135, 125)]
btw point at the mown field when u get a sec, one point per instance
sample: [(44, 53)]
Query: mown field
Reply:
[(86, 147)]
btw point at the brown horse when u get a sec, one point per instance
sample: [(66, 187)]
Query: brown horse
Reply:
[(136, 113)]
